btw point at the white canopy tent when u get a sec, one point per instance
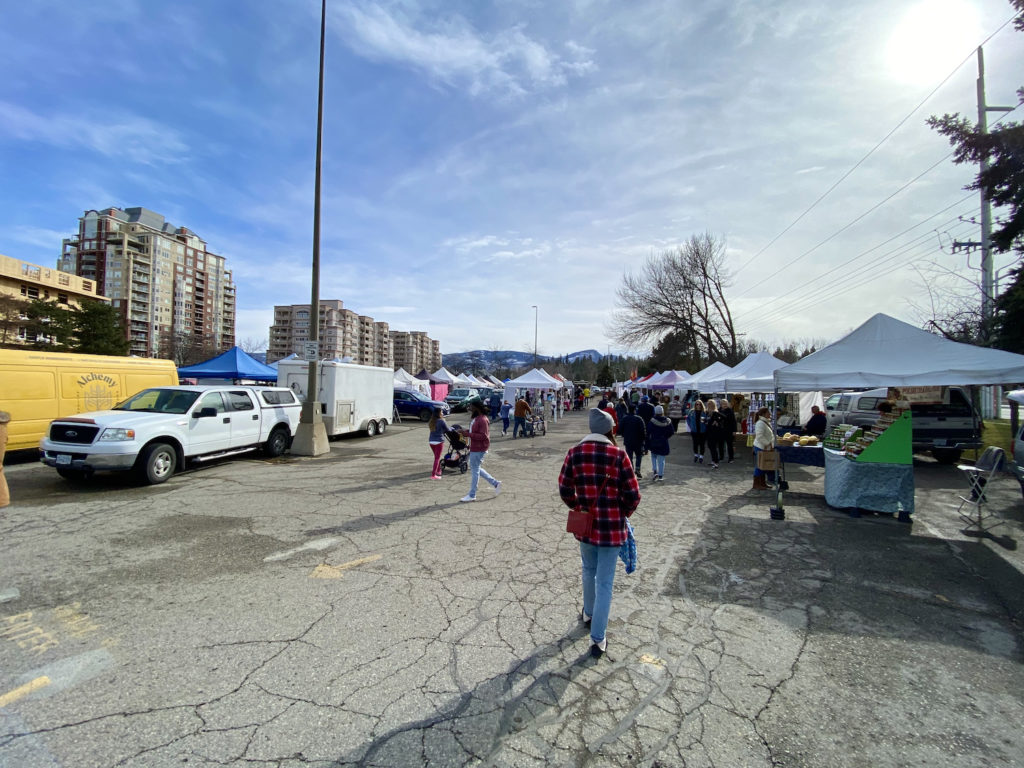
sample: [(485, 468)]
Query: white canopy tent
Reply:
[(535, 379), (714, 371), (495, 381), (443, 374), (406, 380), (755, 373), (886, 352), (668, 380)]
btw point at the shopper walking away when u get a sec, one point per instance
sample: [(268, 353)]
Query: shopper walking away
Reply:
[(479, 434), (729, 427), (621, 411), (598, 476), (609, 408), (658, 433), (645, 410), (504, 411), (696, 422), (435, 440), (764, 440), (522, 410), (715, 432), (675, 412), (634, 438)]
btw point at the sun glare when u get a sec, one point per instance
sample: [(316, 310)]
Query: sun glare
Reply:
[(932, 38)]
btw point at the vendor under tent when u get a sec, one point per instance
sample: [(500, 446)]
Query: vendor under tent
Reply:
[(233, 365), (886, 352)]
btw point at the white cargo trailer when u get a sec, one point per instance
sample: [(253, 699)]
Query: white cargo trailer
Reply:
[(354, 397)]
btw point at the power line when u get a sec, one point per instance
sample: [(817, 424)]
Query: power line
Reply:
[(870, 250), (886, 258), (885, 138)]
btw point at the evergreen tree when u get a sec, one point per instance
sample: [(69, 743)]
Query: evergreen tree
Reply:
[(99, 330)]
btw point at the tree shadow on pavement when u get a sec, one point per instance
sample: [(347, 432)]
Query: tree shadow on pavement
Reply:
[(474, 725)]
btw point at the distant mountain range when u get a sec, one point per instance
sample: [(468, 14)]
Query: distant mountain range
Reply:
[(512, 358)]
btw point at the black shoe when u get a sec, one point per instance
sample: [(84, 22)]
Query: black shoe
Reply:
[(585, 619), (639, 476), (596, 651)]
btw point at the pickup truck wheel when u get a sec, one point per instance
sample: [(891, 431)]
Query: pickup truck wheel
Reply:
[(157, 463), (946, 455), (425, 414), (75, 475), (371, 428), (277, 443)]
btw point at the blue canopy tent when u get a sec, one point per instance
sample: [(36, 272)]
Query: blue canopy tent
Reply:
[(233, 364)]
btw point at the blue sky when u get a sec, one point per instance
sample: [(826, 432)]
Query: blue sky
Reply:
[(482, 158)]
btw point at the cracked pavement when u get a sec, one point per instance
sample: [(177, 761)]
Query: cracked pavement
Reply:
[(346, 610)]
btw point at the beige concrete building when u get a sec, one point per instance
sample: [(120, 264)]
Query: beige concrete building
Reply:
[(171, 291), (24, 281), (414, 351), (343, 333)]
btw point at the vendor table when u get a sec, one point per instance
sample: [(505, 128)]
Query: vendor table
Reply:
[(867, 485), (810, 455)]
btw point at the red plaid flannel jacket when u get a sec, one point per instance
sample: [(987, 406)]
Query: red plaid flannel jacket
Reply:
[(583, 472)]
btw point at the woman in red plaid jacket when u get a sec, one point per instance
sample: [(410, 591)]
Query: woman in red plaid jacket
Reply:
[(598, 475)]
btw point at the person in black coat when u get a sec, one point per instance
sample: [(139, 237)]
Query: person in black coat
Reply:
[(645, 410), (729, 427), (633, 432)]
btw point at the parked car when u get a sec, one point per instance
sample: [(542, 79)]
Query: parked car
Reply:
[(945, 429), (409, 402), (458, 398), (157, 430)]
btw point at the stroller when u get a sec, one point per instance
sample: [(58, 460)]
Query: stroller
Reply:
[(458, 451)]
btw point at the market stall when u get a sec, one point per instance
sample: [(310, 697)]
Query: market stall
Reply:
[(873, 470), (438, 387)]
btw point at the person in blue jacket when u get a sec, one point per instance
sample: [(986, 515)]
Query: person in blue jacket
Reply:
[(659, 430), (504, 411)]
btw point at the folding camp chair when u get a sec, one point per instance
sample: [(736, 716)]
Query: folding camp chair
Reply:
[(978, 476)]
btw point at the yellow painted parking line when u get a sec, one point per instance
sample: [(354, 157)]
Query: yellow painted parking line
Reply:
[(34, 685), (334, 571)]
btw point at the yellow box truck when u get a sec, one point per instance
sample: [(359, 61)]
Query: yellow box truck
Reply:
[(37, 387)]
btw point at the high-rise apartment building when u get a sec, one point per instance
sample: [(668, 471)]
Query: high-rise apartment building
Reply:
[(24, 281), (414, 351), (171, 291), (343, 333)]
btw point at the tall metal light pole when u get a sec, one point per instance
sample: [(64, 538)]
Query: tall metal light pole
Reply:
[(311, 435), (535, 335)]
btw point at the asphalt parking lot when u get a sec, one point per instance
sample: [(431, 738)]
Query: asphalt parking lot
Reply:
[(347, 610)]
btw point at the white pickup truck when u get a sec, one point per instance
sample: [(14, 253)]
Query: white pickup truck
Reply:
[(157, 430)]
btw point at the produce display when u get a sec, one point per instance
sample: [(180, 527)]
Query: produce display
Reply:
[(866, 438), (841, 435), (792, 439)]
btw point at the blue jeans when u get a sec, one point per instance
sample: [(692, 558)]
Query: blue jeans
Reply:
[(476, 471), (520, 424), (598, 577), (658, 464), (504, 424)]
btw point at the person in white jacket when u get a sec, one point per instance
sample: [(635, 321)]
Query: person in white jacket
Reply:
[(764, 440)]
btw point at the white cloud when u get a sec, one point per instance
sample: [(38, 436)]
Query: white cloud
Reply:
[(453, 53), (113, 135)]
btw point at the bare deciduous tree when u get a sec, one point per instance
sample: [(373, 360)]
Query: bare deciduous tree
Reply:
[(680, 292), (253, 345)]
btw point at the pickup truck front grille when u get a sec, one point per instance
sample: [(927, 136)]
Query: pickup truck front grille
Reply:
[(73, 433)]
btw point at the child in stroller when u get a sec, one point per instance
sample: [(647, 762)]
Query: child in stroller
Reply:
[(458, 453)]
